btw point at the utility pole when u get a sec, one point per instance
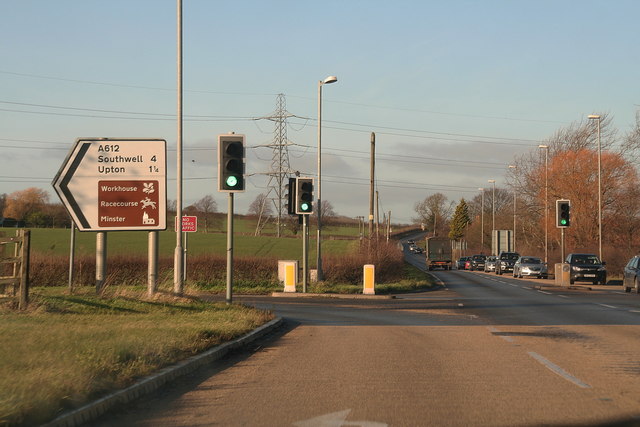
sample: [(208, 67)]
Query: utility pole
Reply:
[(371, 182)]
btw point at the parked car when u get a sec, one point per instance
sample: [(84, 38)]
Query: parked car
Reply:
[(461, 262), (586, 268), (467, 264), (505, 261), (477, 262), (530, 266), (490, 264), (630, 275)]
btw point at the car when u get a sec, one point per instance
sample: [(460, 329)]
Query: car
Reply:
[(586, 268), (411, 242), (477, 262), (412, 248), (490, 264), (418, 250), (630, 275), (530, 266), (505, 261), (461, 262)]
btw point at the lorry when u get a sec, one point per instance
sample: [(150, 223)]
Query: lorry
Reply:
[(438, 253)]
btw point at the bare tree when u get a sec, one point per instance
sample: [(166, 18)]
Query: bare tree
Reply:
[(205, 208), (435, 211)]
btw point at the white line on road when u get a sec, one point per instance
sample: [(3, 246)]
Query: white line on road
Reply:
[(544, 292), (634, 311), (608, 306), (497, 332), (563, 296), (558, 370)]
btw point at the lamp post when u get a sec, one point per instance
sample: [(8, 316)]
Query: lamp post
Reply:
[(599, 118), (546, 201), (514, 167), (482, 221), (493, 212), (328, 80)]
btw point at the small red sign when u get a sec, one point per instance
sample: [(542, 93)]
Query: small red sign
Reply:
[(189, 224)]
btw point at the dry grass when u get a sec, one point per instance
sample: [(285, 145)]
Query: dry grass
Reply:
[(67, 349)]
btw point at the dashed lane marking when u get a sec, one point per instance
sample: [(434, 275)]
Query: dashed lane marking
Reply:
[(558, 370)]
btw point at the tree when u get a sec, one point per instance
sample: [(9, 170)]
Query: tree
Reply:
[(434, 211), (21, 204), (260, 206), (205, 208), (328, 213), (460, 221)]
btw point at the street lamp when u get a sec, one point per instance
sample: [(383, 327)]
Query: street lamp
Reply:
[(514, 167), (598, 118), (493, 211), (546, 201), (328, 80), (482, 221)]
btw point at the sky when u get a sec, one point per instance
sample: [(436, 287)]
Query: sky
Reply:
[(454, 90)]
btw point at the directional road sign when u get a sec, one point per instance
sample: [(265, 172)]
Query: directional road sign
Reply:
[(115, 184)]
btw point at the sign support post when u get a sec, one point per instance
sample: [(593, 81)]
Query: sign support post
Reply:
[(101, 260), (152, 269), (305, 254)]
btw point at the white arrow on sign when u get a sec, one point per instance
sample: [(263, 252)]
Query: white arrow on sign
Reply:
[(336, 419), (115, 184)]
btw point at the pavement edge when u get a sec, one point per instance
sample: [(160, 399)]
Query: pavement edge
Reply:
[(149, 384)]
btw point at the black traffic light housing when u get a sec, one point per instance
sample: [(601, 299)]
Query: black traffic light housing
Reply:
[(291, 196), (563, 213), (304, 196), (231, 155)]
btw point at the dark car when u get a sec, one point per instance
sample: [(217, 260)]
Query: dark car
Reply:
[(461, 262), (505, 261), (586, 268), (477, 262), (630, 275)]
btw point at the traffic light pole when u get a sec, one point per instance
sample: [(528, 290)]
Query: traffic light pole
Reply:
[(305, 254), (230, 250), (562, 245)]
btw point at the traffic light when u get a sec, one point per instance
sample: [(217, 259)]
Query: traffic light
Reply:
[(304, 196), (230, 163), (291, 196), (563, 213)]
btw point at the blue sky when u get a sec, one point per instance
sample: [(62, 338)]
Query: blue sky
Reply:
[(454, 90)]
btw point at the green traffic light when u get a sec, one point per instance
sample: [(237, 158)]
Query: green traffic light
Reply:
[(563, 222), (232, 181), (304, 207)]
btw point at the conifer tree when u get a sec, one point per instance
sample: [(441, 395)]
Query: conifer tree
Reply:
[(460, 221)]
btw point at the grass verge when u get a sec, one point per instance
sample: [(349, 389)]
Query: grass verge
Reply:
[(68, 349)]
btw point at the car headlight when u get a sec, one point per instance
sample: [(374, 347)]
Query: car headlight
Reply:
[(575, 268), (602, 269)]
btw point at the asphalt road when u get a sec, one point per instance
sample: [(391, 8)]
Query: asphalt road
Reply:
[(481, 350)]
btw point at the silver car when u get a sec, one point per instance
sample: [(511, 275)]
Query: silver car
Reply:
[(490, 264), (530, 266)]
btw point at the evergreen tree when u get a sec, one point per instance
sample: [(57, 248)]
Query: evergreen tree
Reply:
[(460, 221)]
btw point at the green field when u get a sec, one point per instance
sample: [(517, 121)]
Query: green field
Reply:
[(57, 242)]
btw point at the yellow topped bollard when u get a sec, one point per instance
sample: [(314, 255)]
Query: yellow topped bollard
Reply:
[(369, 279)]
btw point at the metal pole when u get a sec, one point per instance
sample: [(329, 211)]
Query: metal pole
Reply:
[(482, 223), (230, 250), (514, 218), (101, 260), (305, 253), (562, 245), (377, 216), (177, 255), (72, 254), (599, 194), (371, 182), (546, 205), (152, 268), (184, 258), (319, 274)]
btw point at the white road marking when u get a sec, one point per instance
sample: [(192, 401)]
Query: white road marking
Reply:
[(495, 332), (563, 296), (544, 292), (608, 306), (558, 370), (634, 311)]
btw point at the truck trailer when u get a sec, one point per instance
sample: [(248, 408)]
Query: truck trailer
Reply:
[(438, 253)]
